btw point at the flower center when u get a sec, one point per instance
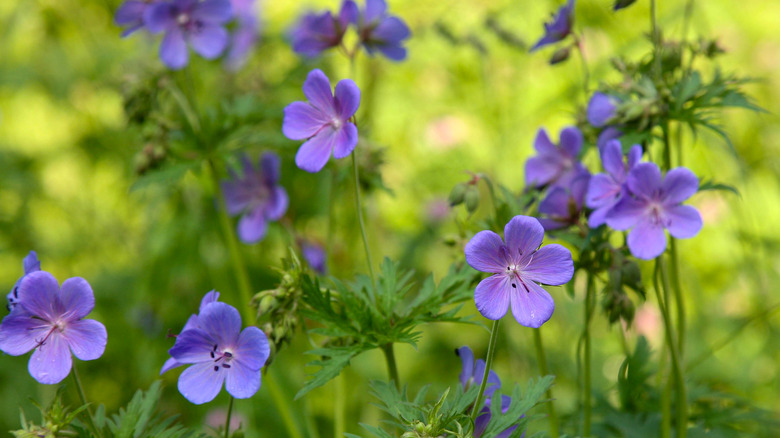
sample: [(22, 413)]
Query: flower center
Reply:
[(513, 271), (57, 325), (336, 122), (183, 18), (221, 358)]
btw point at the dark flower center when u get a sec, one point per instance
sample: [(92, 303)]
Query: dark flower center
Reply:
[(223, 356)]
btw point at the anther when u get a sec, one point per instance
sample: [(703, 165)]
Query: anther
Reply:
[(514, 285), (212, 354), (16, 292), (228, 354), (224, 365), (216, 367)]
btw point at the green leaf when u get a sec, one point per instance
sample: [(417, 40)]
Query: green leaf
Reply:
[(712, 185), (334, 360)]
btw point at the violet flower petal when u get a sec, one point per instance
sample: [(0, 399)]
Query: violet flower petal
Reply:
[(200, 383), (87, 338), (316, 88), (51, 362), (40, 290), (302, 121), (552, 264), (222, 321), (347, 98), (19, 333), (571, 141), (626, 213), (210, 41), (467, 360), (213, 12), (644, 178), (532, 308), (192, 346), (612, 160), (173, 49), (345, 140), (77, 297), (492, 296), (252, 348), (314, 153), (523, 235), (482, 252), (241, 381), (647, 240), (682, 221), (679, 184)]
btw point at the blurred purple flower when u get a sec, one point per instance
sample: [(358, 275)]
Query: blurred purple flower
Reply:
[(518, 265), (472, 372), (30, 264), (559, 28), (315, 33), (554, 165), (220, 353), (192, 322), (381, 32), (606, 189), (201, 24), (601, 108), (130, 15), (655, 205), (323, 121), (482, 421), (246, 34), (562, 205), (51, 324), (256, 196), (610, 133), (315, 256)]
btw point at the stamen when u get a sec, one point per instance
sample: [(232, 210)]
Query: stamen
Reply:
[(212, 354), (228, 354), (224, 365), (16, 292), (215, 348), (216, 368), (514, 285)]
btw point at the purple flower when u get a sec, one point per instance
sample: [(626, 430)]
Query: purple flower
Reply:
[(192, 322), (220, 353), (257, 196), (554, 165), (472, 372), (601, 109), (610, 133), (518, 265), (51, 324), (559, 28), (382, 32), (482, 421), (323, 121), (655, 204), (30, 264), (130, 15), (606, 189), (562, 205), (316, 33), (245, 36), (201, 24), (315, 256)]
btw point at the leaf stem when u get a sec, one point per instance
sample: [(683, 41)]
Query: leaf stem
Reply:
[(359, 208), (392, 368), (554, 432), (84, 402), (488, 365), (229, 414)]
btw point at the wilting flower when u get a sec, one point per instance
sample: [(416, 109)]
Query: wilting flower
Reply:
[(192, 322), (201, 24), (245, 36), (518, 265), (316, 33), (324, 121), (315, 256), (562, 205), (51, 324), (554, 165), (381, 32), (256, 196), (130, 15), (220, 353), (655, 205), (601, 109), (606, 189), (30, 264), (559, 28)]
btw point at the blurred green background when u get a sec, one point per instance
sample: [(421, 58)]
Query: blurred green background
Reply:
[(68, 159)]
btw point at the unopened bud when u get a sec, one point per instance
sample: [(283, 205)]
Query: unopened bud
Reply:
[(471, 198), (457, 194), (560, 55)]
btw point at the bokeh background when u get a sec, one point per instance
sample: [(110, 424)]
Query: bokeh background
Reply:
[(68, 161)]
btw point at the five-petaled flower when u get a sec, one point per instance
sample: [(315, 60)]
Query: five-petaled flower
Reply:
[(518, 265), (606, 189), (324, 121), (555, 165), (257, 196), (559, 28), (315, 33), (192, 322), (30, 264), (220, 353), (654, 204), (382, 32), (50, 322)]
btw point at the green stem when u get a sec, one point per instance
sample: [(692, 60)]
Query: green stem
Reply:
[(586, 396), (585, 69), (331, 218), (359, 208), (339, 407), (656, 40), (392, 368), (227, 420), (666, 415), (543, 371), (284, 409), (84, 402), (679, 299), (488, 365), (242, 277)]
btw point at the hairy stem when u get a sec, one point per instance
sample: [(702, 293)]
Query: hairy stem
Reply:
[(229, 414), (392, 368), (488, 365), (554, 432)]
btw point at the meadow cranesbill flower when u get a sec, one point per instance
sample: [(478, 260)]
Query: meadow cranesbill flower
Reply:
[(199, 23), (130, 15), (654, 204), (192, 322), (554, 165), (601, 109), (482, 421), (606, 189), (381, 32), (562, 205), (315, 33), (220, 353), (257, 196), (518, 265), (51, 324), (559, 28), (245, 36), (324, 121), (315, 256), (472, 372), (30, 264)]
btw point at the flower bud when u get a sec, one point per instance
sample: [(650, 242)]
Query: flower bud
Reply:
[(471, 198), (457, 194), (560, 55)]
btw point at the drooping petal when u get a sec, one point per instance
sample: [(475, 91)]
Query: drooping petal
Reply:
[(626, 213), (679, 184), (173, 49), (523, 235), (210, 41), (347, 98), (277, 204), (40, 291), (314, 154), (571, 141), (541, 170), (644, 179), (193, 346), (170, 364), (551, 264), (252, 226), (483, 252), (612, 160), (241, 381), (682, 221), (77, 298), (200, 383), (532, 306), (252, 348), (51, 362), (20, 333), (316, 88), (222, 322), (467, 359), (213, 11), (87, 338), (345, 140), (302, 121), (492, 296), (647, 240)]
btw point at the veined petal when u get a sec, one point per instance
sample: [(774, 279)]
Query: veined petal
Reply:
[(347, 98), (533, 306), (170, 364), (87, 338), (252, 348), (644, 179), (210, 41), (193, 346), (200, 383), (314, 154), (626, 213), (316, 88), (31, 263), (242, 381), (602, 191), (492, 296), (20, 333), (211, 296), (571, 141), (483, 252), (252, 226), (682, 221), (467, 360), (213, 11), (302, 121), (77, 298), (173, 49), (679, 184), (51, 362), (40, 291), (277, 203), (647, 240), (551, 264), (345, 140), (612, 160), (541, 170), (523, 235), (222, 322)]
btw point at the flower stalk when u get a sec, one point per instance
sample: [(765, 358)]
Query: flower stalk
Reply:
[(587, 407), (84, 402), (227, 420), (488, 365), (553, 417)]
